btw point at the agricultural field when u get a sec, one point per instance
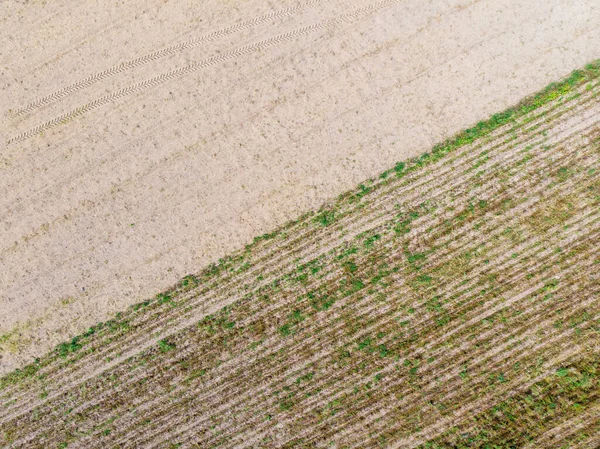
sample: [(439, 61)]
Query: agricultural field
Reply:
[(453, 301), (143, 140)]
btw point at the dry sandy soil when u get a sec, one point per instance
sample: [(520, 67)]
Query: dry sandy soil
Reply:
[(143, 140)]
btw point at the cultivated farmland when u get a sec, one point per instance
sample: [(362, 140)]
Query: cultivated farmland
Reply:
[(142, 140), (453, 301)]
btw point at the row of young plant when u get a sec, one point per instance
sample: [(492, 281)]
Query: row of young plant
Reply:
[(120, 325), (166, 346), (76, 343), (73, 346)]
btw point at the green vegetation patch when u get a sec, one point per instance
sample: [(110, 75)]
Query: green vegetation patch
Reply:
[(520, 419)]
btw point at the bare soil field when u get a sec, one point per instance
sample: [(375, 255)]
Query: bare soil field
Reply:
[(141, 141), (452, 301)]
